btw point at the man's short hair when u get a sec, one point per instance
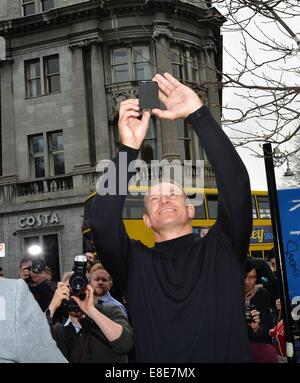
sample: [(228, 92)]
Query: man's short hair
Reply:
[(250, 265), (24, 260), (98, 266)]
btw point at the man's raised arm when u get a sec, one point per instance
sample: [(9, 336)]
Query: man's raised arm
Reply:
[(234, 199), (112, 242)]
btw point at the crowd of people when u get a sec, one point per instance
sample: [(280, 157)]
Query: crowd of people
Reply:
[(182, 300), (97, 329)]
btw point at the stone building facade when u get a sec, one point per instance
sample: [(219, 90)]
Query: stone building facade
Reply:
[(64, 67)]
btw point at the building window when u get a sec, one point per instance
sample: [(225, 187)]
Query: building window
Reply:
[(52, 75), (129, 64), (47, 160), (177, 63), (149, 147), (56, 153), (188, 65), (28, 7), (193, 65), (184, 138), (141, 63), (47, 5), (203, 66), (120, 65), (33, 76), (37, 155)]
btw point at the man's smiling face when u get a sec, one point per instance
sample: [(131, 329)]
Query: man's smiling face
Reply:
[(166, 207)]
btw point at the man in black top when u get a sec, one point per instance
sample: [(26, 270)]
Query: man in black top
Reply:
[(185, 295)]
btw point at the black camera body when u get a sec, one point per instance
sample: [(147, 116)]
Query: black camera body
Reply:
[(78, 280), (77, 283)]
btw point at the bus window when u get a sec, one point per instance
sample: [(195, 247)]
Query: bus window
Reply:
[(257, 253), (135, 212), (264, 207), (212, 205), (200, 212), (254, 211)]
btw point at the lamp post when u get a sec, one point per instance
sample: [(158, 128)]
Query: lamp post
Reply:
[(280, 158), (288, 172)]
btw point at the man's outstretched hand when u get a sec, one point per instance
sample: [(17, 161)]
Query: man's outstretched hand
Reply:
[(132, 129), (179, 99)]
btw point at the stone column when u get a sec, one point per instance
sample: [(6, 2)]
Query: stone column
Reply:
[(213, 89), (80, 133), (8, 142), (161, 34), (99, 104)]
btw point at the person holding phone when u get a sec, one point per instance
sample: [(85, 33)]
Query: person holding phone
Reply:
[(185, 294)]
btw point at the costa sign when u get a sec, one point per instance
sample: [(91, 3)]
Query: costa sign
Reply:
[(39, 220)]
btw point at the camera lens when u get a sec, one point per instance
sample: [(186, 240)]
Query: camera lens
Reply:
[(78, 282), (38, 266)]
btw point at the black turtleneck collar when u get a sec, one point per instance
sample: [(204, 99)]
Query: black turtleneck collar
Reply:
[(175, 244)]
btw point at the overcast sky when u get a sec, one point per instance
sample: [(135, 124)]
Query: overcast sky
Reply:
[(255, 166)]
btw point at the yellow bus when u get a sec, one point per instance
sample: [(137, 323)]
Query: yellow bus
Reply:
[(261, 242)]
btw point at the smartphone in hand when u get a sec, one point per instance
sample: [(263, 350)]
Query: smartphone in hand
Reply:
[(148, 95)]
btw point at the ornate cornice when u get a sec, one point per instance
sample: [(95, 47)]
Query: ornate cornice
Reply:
[(107, 8), (116, 93), (161, 29), (84, 41)]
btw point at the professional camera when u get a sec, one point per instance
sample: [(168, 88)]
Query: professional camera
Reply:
[(38, 266), (77, 283), (248, 308), (78, 280)]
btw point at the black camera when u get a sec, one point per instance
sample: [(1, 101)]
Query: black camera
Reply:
[(248, 308), (78, 280), (38, 266), (77, 283)]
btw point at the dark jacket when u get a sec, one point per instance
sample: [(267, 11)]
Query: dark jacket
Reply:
[(43, 293), (89, 345), (261, 302)]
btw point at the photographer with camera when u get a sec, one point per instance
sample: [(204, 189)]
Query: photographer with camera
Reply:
[(92, 333), (258, 317), (32, 271)]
